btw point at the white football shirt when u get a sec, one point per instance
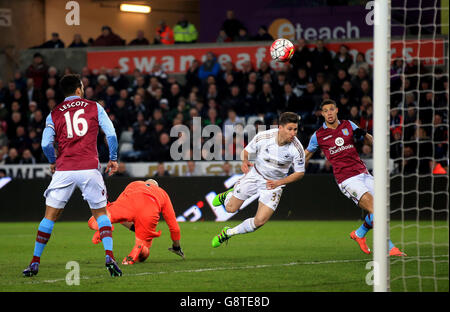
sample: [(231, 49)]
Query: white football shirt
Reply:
[(272, 160)]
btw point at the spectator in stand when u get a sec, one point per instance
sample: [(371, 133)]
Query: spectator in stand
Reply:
[(37, 70), (309, 100), (3, 154), (300, 81), (366, 122), (361, 75), (13, 157), (302, 57), (229, 126), (164, 34), (192, 169), (231, 25), (396, 146), (440, 139), (158, 72), (54, 43), (242, 35), (289, 102), (77, 42), (37, 122), (108, 38), (161, 171), (3, 138), (140, 39), (142, 143), (184, 31), (213, 118), (27, 157), (366, 152), (223, 37), (360, 62), (209, 68), (354, 115), (118, 80), (100, 88), (161, 152), (122, 171), (263, 35), (192, 76), (424, 150), (226, 169), (19, 80), (342, 59), (321, 59), (266, 101)]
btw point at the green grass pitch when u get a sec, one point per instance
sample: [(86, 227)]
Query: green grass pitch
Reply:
[(293, 256)]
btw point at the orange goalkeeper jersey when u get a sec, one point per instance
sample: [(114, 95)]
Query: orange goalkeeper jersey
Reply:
[(142, 204)]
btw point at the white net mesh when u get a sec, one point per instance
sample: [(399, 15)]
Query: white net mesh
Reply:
[(419, 185)]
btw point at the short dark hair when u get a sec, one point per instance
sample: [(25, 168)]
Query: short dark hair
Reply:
[(326, 102), (288, 117), (69, 84)]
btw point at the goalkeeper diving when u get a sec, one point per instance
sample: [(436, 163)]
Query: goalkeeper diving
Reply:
[(138, 208)]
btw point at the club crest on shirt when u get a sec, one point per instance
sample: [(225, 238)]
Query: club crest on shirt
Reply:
[(345, 131), (339, 141)]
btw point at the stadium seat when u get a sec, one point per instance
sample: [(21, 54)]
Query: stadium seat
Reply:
[(126, 147), (126, 137)]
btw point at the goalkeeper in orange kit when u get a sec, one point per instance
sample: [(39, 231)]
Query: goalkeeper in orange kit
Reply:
[(138, 208)]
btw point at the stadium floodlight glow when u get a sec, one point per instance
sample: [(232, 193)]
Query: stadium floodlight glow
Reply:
[(135, 8)]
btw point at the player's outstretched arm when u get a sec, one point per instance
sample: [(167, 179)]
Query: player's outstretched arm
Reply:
[(176, 248), (308, 155), (271, 184), (246, 164)]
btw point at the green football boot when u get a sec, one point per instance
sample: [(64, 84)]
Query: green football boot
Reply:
[(222, 237), (220, 198)]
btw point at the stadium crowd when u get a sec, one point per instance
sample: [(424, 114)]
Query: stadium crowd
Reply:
[(144, 106)]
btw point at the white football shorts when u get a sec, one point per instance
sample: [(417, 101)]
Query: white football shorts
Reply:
[(90, 182), (356, 186), (253, 183)]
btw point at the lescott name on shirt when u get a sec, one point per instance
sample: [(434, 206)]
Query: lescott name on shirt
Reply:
[(73, 104)]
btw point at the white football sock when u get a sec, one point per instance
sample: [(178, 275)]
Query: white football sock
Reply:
[(247, 226)]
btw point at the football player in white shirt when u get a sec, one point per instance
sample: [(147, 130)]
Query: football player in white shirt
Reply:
[(276, 151)]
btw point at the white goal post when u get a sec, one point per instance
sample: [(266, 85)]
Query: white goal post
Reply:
[(381, 100)]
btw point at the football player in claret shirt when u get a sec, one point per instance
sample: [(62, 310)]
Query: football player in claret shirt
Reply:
[(72, 127), (138, 208), (336, 140)]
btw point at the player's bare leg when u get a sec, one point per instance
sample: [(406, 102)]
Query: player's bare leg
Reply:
[(366, 203), (43, 235), (233, 204)]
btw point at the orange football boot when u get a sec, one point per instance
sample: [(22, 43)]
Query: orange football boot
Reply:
[(361, 242), (396, 252)]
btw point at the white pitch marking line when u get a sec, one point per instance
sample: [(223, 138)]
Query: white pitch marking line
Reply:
[(260, 266)]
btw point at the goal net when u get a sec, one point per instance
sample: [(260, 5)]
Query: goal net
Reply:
[(419, 107)]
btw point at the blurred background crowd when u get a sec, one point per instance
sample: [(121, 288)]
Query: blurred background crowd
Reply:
[(144, 106)]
